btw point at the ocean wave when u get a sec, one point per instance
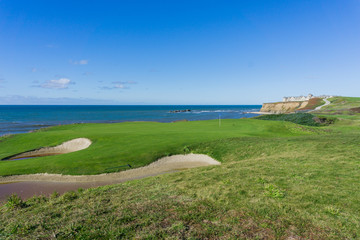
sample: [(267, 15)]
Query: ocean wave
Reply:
[(217, 111), (23, 119)]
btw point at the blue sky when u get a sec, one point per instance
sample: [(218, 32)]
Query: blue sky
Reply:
[(177, 52)]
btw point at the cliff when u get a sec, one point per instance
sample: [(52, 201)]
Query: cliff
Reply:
[(283, 107)]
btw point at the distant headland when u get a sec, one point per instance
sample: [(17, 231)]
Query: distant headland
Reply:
[(296, 104)]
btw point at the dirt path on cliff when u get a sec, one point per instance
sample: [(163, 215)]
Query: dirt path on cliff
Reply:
[(327, 102)]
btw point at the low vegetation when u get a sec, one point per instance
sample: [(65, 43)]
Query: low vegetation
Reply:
[(298, 118), (289, 187), (347, 106), (278, 180), (313, 103)]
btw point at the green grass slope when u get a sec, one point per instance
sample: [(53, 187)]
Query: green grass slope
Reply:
[(344, 107), (135, 143), (303, 187), (278, 180)]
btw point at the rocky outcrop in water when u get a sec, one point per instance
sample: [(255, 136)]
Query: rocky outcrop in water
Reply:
[(178, 111)]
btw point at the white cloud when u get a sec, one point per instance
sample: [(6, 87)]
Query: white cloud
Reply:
[(121, 86), (80, 62), (118, 85), (61, 83)]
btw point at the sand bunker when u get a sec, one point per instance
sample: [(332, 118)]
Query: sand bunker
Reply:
[(66, 147), (163, 165)]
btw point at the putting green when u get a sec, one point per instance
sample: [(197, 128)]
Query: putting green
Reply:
[(135, 143)]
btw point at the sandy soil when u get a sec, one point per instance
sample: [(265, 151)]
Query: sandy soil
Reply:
[(283, 107), (163, 165), (66, 147)]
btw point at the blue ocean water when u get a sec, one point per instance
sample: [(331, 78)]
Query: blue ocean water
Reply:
[(20, 119)]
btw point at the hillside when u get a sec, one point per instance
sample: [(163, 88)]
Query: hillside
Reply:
[(265, 188), (343, 107)]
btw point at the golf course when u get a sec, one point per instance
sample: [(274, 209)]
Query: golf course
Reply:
[(282, 176)]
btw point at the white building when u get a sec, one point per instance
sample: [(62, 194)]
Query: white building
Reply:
[(298, 99)]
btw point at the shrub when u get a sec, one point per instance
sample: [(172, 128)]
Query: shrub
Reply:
[(54, 195), (273, 191), (332, 210), (186, 150), (14, 202), (69, 196), (325, 120), (37, 199), (298, 118)]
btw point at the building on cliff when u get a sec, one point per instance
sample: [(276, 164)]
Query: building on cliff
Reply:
[(298, 99), (290, 104)]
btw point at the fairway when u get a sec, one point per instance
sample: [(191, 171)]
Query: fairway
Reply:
[(134, 143), (276, 180)]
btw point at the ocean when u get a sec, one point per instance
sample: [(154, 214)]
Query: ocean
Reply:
[(20, 119)]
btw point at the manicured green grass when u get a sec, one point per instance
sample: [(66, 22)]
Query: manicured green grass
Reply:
[(135, 143), (303, 187), (278, 180)]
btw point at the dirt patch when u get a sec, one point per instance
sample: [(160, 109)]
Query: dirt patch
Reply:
[(313, 103), (355, 110)]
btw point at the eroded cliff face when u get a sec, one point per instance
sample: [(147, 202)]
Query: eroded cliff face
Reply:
[(283, 107)]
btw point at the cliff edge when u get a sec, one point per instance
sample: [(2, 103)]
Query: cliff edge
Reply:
[(283, 107)]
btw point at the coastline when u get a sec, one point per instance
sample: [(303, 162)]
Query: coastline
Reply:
[(23, 119)]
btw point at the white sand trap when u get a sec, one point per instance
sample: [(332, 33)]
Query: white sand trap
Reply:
[(66, 147), (163, 165)]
